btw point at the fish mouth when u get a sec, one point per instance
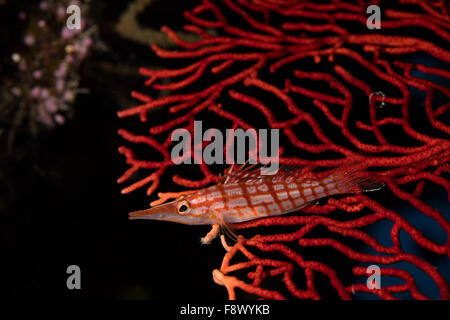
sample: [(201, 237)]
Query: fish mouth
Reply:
[(155, 216), (160, 212), (150, 214), (141, 214)]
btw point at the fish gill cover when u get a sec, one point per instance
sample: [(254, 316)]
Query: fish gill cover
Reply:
[(338, 92)]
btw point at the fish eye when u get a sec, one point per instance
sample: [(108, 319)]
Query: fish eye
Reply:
[(183, 207)]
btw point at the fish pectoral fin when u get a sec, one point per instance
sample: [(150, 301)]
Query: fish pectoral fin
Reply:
[(229, 232)]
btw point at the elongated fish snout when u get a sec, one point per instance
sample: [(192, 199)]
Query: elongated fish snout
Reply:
[(164, 212), (142, 214)]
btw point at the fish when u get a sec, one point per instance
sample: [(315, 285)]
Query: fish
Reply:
[(245, 194)]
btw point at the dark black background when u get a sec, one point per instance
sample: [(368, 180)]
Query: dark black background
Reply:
[(60, 203)]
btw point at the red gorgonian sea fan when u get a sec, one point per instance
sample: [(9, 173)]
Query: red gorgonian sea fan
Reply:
[(337, 91)]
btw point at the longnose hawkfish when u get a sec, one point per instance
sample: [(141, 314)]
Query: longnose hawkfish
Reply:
[(244, 194)]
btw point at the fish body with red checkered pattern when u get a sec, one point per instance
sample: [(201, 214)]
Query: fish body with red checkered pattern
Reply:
[(246, 195)]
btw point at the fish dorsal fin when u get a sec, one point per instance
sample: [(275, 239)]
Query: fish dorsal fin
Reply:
[(237, 174), (245, 173), (287, 170)]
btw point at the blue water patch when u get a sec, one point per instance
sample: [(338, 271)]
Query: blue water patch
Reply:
[(378, 230), (430, 229)]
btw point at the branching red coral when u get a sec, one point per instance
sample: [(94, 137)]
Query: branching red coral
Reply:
[(331, 65)]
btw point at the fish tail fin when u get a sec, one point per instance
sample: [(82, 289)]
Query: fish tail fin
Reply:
[(353, 178)]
